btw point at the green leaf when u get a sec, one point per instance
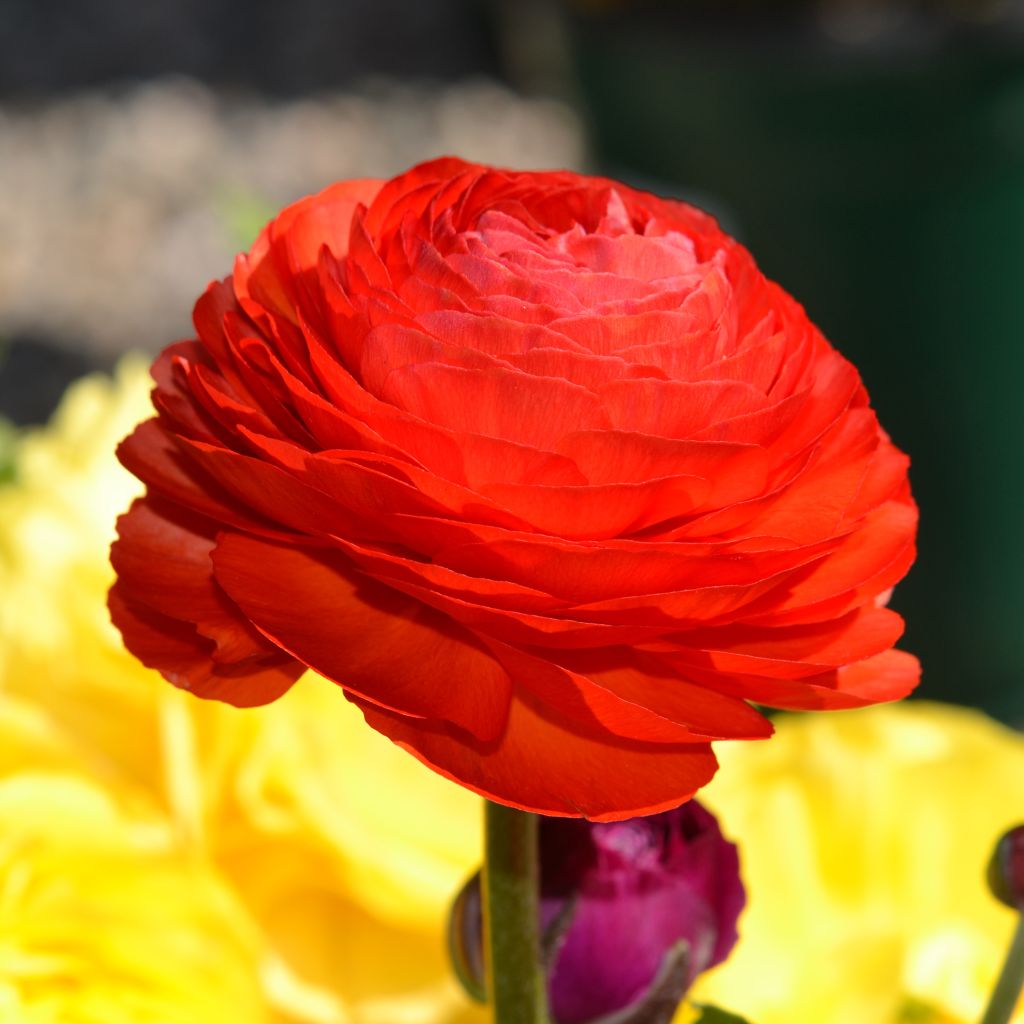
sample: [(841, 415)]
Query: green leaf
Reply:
[(714, 1015)]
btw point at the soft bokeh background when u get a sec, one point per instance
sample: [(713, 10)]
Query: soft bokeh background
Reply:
[(870, 152)]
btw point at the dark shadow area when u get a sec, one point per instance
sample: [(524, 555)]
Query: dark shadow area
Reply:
[(260, 45), (34, 372)]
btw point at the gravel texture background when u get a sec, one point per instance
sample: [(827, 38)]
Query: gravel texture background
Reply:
[(117, 206)]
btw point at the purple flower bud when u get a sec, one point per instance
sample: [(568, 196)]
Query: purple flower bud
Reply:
[(1006, 869), (640, 886), (617, 899)]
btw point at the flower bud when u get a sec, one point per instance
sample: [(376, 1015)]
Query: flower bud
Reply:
[(1006, 869), (631, 912)]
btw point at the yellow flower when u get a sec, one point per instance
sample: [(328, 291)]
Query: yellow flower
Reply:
[(864, 839), (57, 646), (104, 916)]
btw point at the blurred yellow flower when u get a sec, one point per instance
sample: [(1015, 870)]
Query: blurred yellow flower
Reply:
[(104, 916), (165, 859), (864, 837)]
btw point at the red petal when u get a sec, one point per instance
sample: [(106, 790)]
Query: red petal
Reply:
[(507, 404), (269, 490), (792, 652), (631, 696), (540, 765), (888, 676), (175, 618), (591, 574), (162, 559), (184, 658), (602, 511), (153, 455), (612, 456), (375, 641), (677, 409), (669, 340), (866, 563)]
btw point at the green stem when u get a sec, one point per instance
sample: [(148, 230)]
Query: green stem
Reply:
[(511, 907), (1011, 981)]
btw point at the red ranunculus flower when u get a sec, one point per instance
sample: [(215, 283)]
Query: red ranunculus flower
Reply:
[(539, 469)]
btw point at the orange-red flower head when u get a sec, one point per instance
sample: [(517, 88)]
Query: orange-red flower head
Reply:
[(539, 469)]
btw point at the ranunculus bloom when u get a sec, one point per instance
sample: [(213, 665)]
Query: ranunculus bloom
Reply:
[(540, 469)]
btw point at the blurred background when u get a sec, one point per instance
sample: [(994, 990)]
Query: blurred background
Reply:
[(869, 152)]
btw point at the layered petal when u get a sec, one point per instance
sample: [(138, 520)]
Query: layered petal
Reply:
[(174, 616), (374, 641)]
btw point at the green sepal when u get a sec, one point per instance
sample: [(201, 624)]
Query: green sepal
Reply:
[(659, 1003)]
